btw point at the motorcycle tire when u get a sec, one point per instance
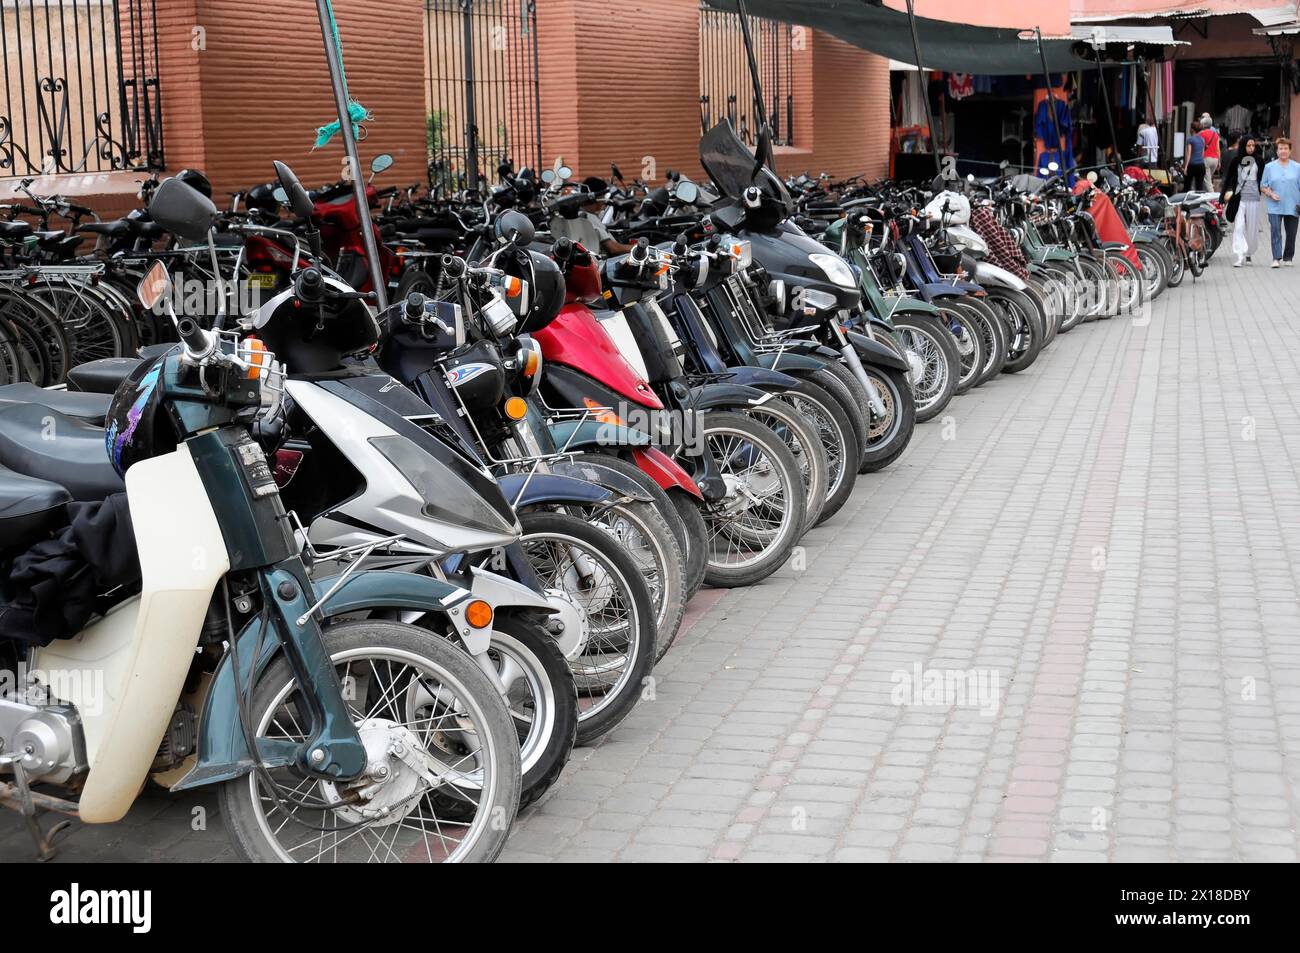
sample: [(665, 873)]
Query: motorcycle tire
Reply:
[(480, 713), (1025, 337), (889, 436), (804, 442), (968, 344), (937, 348)]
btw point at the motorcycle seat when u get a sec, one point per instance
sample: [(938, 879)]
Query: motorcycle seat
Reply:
[(90, 408), (29, 509), (102, 376), (37, 441), (15, 230), (114, 229)]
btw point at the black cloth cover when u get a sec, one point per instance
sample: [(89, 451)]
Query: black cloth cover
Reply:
[(55, 587)]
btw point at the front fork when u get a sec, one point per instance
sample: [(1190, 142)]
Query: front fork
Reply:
[(332, 749), (855, 365)]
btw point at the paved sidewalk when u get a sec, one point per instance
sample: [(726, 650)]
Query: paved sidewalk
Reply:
[(1064, 626)]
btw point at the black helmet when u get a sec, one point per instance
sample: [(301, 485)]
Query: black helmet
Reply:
[(262, 198), (196, 180), (545, 287), (136, 426)]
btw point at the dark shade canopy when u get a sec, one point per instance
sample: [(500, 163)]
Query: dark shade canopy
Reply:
[(955, 47)]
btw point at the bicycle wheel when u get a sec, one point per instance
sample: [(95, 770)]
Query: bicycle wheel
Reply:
[(93, 326), (45, 324)]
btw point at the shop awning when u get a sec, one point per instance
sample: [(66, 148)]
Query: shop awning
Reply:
[(1101, 11), (1051, 16), (956, 47)]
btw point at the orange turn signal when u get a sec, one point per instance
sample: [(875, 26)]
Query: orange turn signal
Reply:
[(478, 614), (512, 286), (532, 363), (516, 408), (258, 358)]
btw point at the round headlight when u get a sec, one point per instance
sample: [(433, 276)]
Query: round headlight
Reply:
[(836, 269)]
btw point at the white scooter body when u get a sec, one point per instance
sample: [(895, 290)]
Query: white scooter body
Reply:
[(125, 672), (986, 273)]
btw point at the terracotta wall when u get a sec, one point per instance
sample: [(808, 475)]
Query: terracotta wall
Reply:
[(621, 84)]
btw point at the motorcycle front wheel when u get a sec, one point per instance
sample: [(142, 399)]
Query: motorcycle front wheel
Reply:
[(755, 526), (436, 731)]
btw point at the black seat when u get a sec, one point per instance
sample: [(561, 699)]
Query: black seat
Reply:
[(114, 229), (15, 230), (29, 510), (43, 443), (88, 407), (102, 376)]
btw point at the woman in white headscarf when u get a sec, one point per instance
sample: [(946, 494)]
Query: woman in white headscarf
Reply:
[(1240, 190)]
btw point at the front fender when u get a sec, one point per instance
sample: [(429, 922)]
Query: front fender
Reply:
[(788, 361), (762, 377), (989, 274), (222, 753), (877, 354), (907, 305), (588, 467), (726, 394), (665, 471), (539, 489), (570, 435)]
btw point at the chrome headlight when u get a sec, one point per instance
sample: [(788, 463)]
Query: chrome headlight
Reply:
[(836, 269)]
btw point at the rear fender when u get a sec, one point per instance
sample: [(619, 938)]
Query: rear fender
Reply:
[(587, 467), (763, 378), (570, 435)]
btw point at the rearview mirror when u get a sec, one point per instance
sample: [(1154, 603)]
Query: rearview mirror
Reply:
[(1053, 166), (182, 210), (1092, 177), (564, 172), (1004, 165), (154, 286), (380, 162), (548, 176), (514, 228), (297, 199), (687, 193)]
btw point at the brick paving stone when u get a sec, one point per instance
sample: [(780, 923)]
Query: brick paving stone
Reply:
[(1106, 549)]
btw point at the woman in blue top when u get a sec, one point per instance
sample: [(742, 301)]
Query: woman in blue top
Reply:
[(1280, 187), (1194, 160)]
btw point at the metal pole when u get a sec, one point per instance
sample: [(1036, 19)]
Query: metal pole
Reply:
[(350, 147), (471, 108), (1110, 119), (760, 108), (925, 87), (1051, 98)]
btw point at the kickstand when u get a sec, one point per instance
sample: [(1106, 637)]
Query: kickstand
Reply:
[(45, 849)]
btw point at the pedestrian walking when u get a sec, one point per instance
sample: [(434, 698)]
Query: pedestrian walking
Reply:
[(1280, 186), (1240, 191), (1194, 160), (1148, 144), (1211, 137)]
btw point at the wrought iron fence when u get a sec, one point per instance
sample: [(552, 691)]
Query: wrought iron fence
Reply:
[(726, 84), (80, 87), (481, 70)]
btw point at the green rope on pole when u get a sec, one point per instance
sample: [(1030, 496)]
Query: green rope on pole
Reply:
[(357, 113)]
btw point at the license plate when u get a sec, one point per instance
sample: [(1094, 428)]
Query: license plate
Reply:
[(265, 282)]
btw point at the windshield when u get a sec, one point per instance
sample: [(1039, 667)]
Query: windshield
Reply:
[(730, 164)]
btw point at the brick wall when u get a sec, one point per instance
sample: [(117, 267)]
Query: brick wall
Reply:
[(245, 82), (621, 84)]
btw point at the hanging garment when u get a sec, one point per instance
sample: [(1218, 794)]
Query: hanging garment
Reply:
[(1003, 250), (960, 85), (1045, 129), (912, 108)]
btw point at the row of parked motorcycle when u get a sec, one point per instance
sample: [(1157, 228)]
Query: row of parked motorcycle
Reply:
[(374, 570)]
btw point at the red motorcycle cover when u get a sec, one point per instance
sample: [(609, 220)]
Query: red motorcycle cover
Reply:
[(1110, 227)]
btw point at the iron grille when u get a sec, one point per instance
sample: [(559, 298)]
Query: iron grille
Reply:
[(726, 84), (80, 87), (481, 70)]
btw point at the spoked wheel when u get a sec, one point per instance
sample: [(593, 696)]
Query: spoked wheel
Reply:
[(832, 421), (889, 433), (607, 629), (47, 337), (800, 436), (93, 328), (1066, 283), (937, 383), (754, 527), (644, 534), (1130, 290), (443, 774), (1154, 269), (969, 344), (1025, 337)]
